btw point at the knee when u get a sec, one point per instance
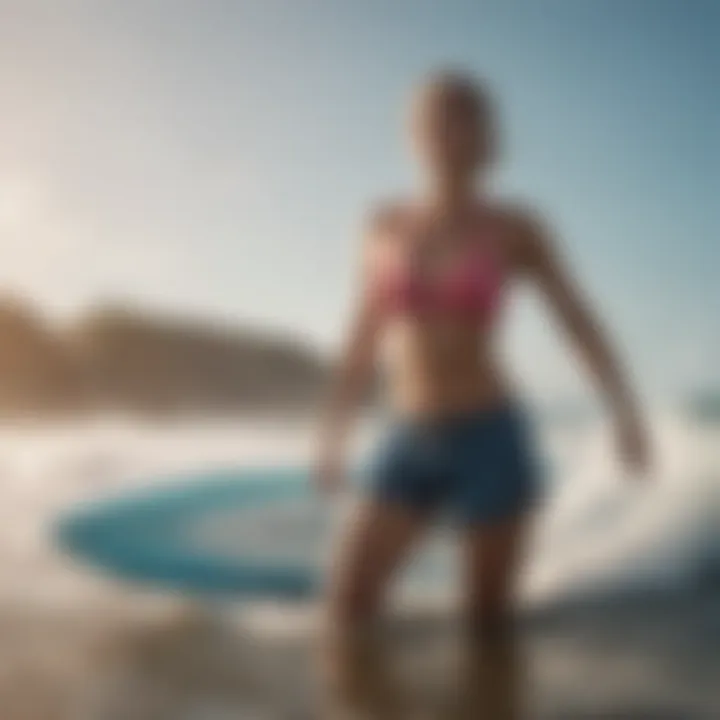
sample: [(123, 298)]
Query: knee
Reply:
[(352, 605), (490, 619), (491, 628)]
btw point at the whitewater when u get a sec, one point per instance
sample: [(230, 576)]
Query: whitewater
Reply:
[(599, 532)]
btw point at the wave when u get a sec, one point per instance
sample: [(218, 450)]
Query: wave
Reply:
[(704, 407), (599, 532), (603, 532)]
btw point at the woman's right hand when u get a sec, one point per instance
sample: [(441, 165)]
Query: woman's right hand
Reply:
[(329, 472)]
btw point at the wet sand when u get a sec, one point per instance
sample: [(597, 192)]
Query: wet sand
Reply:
[(127, 656)]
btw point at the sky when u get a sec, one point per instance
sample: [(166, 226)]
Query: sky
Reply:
[(216, 158)]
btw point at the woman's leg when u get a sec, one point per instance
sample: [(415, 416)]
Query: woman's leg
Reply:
[(376, 541), (493, 560), (377, 538)]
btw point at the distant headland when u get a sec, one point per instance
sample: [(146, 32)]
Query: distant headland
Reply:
[(122, 359)]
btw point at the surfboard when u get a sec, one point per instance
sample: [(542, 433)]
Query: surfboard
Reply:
[(249, 532)]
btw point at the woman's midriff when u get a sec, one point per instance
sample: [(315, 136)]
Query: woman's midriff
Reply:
[(442, 369)]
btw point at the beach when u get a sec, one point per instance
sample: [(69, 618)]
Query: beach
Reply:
[(637, 659)]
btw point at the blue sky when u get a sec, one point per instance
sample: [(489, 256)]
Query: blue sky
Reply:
[(216, 157)]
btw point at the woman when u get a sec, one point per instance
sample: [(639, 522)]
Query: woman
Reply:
[(435, 274)]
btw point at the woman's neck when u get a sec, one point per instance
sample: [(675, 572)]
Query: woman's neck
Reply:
[(450, 198)]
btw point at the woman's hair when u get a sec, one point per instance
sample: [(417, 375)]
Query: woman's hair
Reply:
[(469, 95), (463, 90)]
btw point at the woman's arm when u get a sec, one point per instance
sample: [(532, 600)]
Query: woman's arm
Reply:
[(352, 376), (545, 266)]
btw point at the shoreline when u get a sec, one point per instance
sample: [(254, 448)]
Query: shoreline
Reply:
[(623, 659)]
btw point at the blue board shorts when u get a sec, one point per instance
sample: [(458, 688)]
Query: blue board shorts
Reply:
[(481, 467)]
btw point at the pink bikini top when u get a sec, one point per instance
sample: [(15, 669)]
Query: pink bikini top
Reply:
[(471, 288)]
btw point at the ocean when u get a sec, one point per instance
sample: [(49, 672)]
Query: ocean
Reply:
[(608, 550)]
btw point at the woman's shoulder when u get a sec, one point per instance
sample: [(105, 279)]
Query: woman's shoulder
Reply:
[(385, 223), (516, 213), (523, 226), (390, 216)]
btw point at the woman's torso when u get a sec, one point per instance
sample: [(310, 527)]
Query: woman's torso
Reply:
[(441, 286)]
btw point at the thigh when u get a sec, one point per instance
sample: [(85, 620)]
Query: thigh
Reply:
[(493, 560), (376, 539)]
